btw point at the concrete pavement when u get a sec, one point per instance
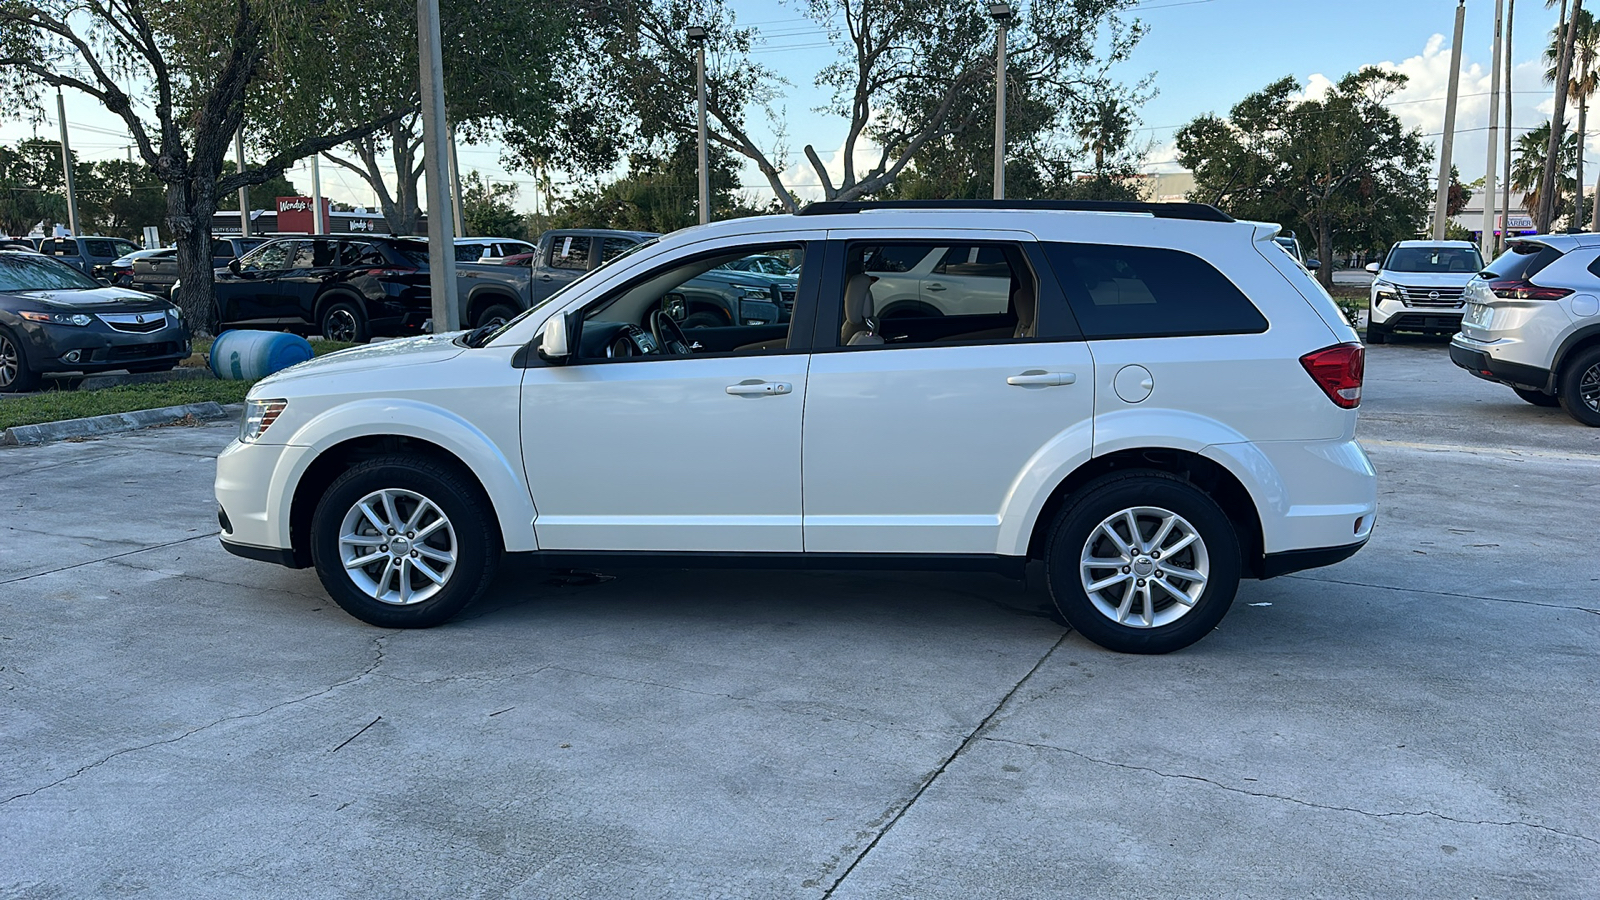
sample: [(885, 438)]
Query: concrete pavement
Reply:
[(1417, 721)]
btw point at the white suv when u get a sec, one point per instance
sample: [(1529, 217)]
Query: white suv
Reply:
[(1165, 404), (1533, 323), (1418, 287)]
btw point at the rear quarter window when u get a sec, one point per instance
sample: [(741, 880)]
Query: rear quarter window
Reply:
[(1144, 292)]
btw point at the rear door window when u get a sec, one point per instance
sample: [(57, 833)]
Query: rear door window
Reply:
[(1138, 292), (100, 249), (1521, 261)]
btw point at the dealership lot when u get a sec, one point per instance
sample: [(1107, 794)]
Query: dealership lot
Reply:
[(1418, 720)]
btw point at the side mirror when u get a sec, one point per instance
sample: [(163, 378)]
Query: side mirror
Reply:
[(1374, 268), (104, 281), (553, 340), (1313, 265), (676, 306), (233, 265)]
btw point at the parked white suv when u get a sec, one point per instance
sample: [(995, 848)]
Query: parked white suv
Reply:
[(1166, 404), (1418, 287), (1533, 323)]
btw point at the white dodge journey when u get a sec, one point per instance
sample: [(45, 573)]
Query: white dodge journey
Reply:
[(1159, 403)]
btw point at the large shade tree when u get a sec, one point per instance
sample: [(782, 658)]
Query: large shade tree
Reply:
[(911, 79), (1341, 164), (180, 77)]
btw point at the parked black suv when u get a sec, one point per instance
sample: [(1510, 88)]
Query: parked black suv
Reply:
[(345, 288)]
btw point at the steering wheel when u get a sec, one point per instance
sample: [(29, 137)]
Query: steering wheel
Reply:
[(668, 334)]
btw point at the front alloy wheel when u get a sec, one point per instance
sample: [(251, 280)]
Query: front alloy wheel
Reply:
[(405, 542), (15, 376)]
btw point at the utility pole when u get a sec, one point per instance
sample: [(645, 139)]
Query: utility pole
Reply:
[(244, 190), (66, 164), (1442, 201), (1505, 196), (1486, 239), (318, 226), (697, 37), (455, 185), (1001, 14), (1549, 182), (436, 163)]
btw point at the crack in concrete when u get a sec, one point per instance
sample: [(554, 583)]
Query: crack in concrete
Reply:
[(1405, 590), (114, 556), (474, 677), (1424, 813), (379, 651), (928, 781)]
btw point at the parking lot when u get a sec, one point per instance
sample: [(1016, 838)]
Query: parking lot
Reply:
[(1419, 720)]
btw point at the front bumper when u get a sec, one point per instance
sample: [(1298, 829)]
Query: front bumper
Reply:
[(1430, 321), (254, 499), (98, 347), (1488, 368)]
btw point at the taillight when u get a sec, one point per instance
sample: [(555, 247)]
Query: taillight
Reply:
[(1510, 289), (1338, 371)]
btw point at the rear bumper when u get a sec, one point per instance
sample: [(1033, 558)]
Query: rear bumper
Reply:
[(1275, 564), (1490, 369)]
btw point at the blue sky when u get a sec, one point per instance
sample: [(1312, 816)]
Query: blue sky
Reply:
[(1205, 55)]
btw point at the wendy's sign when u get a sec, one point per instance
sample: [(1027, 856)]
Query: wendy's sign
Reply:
[(294, 214)]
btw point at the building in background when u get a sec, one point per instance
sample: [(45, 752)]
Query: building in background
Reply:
[(292, 215)]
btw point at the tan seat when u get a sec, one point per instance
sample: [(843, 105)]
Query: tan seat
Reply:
[(859, 326), (1027, 307)]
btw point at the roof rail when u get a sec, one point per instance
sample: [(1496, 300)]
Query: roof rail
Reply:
[(1198, 212)]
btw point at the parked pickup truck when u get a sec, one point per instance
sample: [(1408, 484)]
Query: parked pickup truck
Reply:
[(746, 292)]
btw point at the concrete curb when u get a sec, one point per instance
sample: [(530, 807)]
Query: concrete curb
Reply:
[(92, 426)]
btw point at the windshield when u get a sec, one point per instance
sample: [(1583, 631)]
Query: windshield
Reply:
[(565, 288), (27, 272), (1434, 260)]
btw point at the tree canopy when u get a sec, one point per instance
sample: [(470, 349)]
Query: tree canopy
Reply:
[(1341, 166)]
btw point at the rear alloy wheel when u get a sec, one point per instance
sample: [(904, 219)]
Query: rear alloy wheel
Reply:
[(1579, 392), (1537, 398), (15, 376), (344, 322), (401, 542), (1143, 562)]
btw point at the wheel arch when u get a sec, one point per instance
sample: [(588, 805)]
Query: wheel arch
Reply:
[(342, 436), (1579, 340), (486, 296), (1209, 475), (336, 294)]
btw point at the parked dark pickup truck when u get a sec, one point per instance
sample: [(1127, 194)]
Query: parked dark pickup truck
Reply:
[(735, 294)]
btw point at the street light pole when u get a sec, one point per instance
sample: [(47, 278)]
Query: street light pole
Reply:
[(1505, 180), (66, 164), (436, 163), (1486, 239), (1001, 13), (697, 37), (1442, 201), (244, 190)]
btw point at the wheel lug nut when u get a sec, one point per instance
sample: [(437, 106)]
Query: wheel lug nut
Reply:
[(391, 531), (1126, 569), (1156, 555), (1141, 582), (413, 554), (411, 534), (383, 548)]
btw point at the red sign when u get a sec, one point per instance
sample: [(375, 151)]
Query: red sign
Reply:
[(294, 214)]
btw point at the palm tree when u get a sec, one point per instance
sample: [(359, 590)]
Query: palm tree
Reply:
[(1528, 169), (1582, 82), (1105, 128), (1549, 193)]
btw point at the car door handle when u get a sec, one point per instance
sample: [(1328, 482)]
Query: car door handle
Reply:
[(759, 388), (936, 286), (1042, 378), (545, 277)]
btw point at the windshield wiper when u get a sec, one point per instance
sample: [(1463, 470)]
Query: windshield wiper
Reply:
[(476, 336)]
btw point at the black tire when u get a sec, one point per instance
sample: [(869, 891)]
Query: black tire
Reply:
[(16, 376), (470, 532), (498, 311), (1537, 398), (703, 320), (1579, 386), (344, 321), (1376, 335), (1215, 554)]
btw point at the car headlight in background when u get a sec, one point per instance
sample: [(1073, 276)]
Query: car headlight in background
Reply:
[(1386, 290), (258, 417), (756, 293), (78, 319), (175, 313)]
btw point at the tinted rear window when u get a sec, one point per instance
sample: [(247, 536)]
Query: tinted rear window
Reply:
[(1521, 262), (1128, 292)]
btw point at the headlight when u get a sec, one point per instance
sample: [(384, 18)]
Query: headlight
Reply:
[(258, 417), (757, 293), (78, 319), (175, 313)]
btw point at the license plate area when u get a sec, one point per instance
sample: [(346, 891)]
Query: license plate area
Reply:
[(1478, 315)]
